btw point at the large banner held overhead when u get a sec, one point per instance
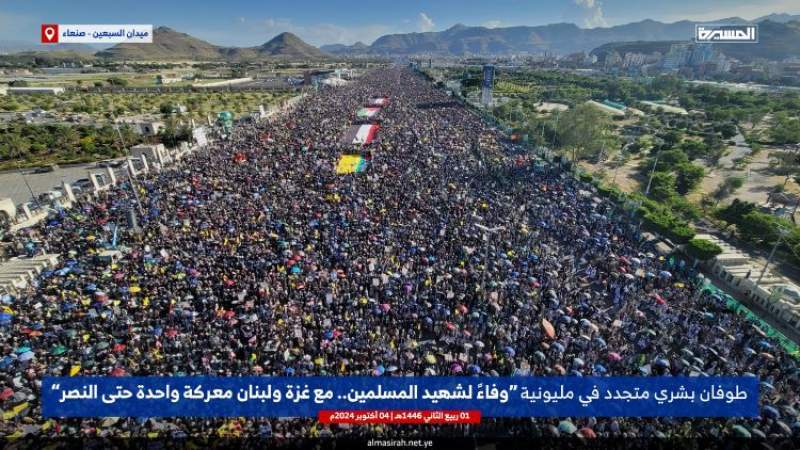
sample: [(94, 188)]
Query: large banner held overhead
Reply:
[(378, 101), (360, 134), (350, 164), (367, 113)]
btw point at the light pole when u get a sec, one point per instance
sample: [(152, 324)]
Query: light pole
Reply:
[(486, 233), (653, 171), (781, 234)]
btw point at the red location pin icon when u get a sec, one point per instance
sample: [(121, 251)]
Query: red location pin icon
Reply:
[(49, 33)]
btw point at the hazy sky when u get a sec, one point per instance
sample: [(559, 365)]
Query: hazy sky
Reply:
[(252, 22)]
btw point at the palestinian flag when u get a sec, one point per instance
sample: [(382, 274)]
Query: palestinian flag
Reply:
[(350, 164), (367, 113), (379, 101), (360, 134)]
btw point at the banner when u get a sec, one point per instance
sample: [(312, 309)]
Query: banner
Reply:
[(519, 396), (350, 164)]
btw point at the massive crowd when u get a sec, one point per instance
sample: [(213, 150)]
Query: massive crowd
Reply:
[(442, 258)]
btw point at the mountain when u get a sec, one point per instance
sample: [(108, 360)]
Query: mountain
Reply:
[(560, 38), (563, 38), (169, 44), (780, 18), (776, 41), (340, 49), (289, 45)]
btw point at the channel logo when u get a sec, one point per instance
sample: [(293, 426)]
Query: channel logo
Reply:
[(726, 34), (49, 33)]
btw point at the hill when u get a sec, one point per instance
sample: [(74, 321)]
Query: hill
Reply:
[(290, 46), (777, 41), (169, 44), (564, 38)]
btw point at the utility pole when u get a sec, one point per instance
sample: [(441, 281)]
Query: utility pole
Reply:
[(781, 234), (652, 172), (131, 175)]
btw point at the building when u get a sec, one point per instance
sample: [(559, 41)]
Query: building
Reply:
[(701, 53), (223, 83), (488, 85), (634, 59), (774, 294), (677, 56), (35, 90), (166, 79)]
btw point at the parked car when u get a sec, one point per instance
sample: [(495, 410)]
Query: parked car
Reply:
[(46, 169)]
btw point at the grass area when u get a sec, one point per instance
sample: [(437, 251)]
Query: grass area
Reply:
[(110, 106)]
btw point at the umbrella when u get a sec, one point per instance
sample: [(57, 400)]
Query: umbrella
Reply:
[(565, 426), (456, 368), (379, 370), (22, 349), (548, 329), (740, 431), (662, 362), (6, 394), (599, 368), (430, 359), (509, 351), (27, 356), (58, 350), (473, 369), (577, 362), (771, 412), (614, 356), (587, 433), (118, 372)]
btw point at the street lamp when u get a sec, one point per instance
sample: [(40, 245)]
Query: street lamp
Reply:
[(782, 233)]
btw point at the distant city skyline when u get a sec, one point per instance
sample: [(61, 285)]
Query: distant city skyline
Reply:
[(250, 22)]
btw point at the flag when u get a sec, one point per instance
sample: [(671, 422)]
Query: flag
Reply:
[(360, 134), (350, 164), (379, 101), (15, 411), (367, 113)]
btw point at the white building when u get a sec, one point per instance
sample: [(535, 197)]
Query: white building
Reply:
[(35, 90)]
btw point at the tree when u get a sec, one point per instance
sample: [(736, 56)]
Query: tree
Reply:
[(733, 213), (785, 129), (662, 188), (786, 163), (583, 129), (728, 187), (702, 249), (688, 177), (759, 227)]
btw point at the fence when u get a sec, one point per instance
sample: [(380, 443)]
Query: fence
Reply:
[(738, 308)]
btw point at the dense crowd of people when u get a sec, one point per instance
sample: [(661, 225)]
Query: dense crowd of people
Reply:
[(446, 256)]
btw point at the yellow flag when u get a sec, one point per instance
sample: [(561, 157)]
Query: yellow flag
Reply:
[(14, 412), (74, 370)]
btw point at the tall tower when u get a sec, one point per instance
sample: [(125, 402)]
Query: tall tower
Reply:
[(488, 84)]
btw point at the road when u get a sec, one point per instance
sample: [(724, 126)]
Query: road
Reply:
[(12, 182)]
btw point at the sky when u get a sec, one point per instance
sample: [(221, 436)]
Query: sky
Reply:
[(319, 22)]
